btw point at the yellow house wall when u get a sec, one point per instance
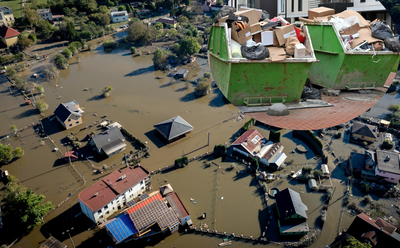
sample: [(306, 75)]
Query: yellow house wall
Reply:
[(363, 138), (73, 123), (11, 41)]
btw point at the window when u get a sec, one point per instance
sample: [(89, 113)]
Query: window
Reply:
[(142, 188), (69, 120), (292, 5), (77, 122), (362, 1), (300, 7), (70, 125), (108, 212), (282, 6), (106, 207), (99, 212)]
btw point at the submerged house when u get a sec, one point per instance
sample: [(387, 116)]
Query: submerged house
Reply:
[(69, 114), (292, 216), (252, 144), (364, 132), (376, 232), (174, 128), (112, 193), (109, 142), (151, 215)]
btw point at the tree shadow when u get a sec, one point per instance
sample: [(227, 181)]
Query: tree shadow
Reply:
[(96, 98), (181, 89), (51, 127), (51, 47), (155, 137), (28, 113), (188, 97), (140, 71)]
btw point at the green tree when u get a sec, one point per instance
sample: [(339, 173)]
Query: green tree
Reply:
[(31, 16), (103, 9), (12, 73), (6, 154), (18, 152), (394, 108), (32, 36), (121, 8), (26, 207), (105, 19), (89, 5), (183, 19), (160, 59), (133, 50), (71, 32), (176, 47), (41, 105), (87, 35), (158, 25), (187, 2), (44, 29), (354, 243), (60, 61), (141, 33), (190, 46)]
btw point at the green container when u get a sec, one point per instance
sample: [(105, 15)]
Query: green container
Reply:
[(343, 69), (255, 82)]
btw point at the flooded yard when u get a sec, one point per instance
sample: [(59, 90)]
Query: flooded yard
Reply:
[(233, 202)]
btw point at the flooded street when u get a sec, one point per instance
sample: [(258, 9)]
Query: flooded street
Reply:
[(233, 202)]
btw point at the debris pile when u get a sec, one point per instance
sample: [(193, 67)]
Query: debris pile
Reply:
[(253, 36), (357, 33)]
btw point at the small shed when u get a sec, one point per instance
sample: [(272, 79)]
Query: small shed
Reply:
[(104, 124), (174, 128), (325, 169), (312, 184), (385, 123), (166, 189), (114, 124), (182, 73)]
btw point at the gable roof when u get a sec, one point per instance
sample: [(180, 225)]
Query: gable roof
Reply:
[(364, 130), (166, 20), (111, 186), (385, 235), (52, 242), (249, 140), (109, 140), (7, 32), (166, 189), (388, 161), (65, 110), (177, 205), (173, 127), (289, 203)]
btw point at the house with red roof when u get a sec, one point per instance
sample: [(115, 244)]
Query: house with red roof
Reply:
[(168, 22), (8, 36), (252, 144), (111, 193)]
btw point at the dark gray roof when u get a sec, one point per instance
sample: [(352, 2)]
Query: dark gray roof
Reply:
[(106, 140), (357, 160), (173, 127), (182, 71), (388, 161), (364, 130), (64, 110), (289, 203)]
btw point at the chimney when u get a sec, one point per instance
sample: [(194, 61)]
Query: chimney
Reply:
[(96, 194)]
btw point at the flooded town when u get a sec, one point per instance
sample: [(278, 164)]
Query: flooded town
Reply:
[(198, 124)]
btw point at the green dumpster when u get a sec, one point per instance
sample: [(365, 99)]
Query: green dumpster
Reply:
[(256, 82), (340, 68)]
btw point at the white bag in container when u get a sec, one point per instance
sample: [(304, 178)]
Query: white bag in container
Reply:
[(235, 48), (343, 24), (347, 39)]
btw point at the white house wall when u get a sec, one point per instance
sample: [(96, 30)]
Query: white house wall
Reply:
[(296, 13)]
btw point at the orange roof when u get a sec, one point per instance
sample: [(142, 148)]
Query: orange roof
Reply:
[(7, 32)]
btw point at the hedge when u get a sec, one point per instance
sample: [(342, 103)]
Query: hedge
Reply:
[(181, 162), (138, 141), (275, 136)]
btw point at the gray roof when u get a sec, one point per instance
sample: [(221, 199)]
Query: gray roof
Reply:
[(289, 203), (388, 161), (173, 127), (5, 9), (41, 11), (65, 110), (364, 130), (108, 139), (357, 160), (166, 189), (294, 227), (182, 71)]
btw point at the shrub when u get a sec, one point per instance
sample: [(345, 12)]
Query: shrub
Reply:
[(307, 170), (347, 199), (275, 136), (338, 135), (12, 73), (67, 53), (32, 37), (317, 173), (202, 89), (160, 59), (367, 199), (107, 91), (219, 150), (18, 152), (387, 144), (181, 162), (207, 74), (248, 124), (40, 89), (133, 50), (61, 62), (41, 106)]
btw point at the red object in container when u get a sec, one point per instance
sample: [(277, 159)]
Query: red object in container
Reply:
[(300, 37)]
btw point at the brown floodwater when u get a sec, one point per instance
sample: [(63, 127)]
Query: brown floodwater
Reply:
[(138, 101)]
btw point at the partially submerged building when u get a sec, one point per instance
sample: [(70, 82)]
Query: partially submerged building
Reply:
[(174, 128), (292, 216), (109, 142), (8, 36), (252, 144), (52, 242), (378, 233), (151, 215), (111, 194), (119, 16), (364, 132), (69, 114), (168, 22)]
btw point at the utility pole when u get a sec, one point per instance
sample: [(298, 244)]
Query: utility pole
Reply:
[(208, 143)]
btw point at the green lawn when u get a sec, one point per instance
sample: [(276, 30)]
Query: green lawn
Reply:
[(119, 24), (15, 6)]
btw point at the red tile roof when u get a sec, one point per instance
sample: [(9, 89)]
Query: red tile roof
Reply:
[(111, 186), (246, 140), (177, 205), (143, 203), (7, 32), (378, 223)]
